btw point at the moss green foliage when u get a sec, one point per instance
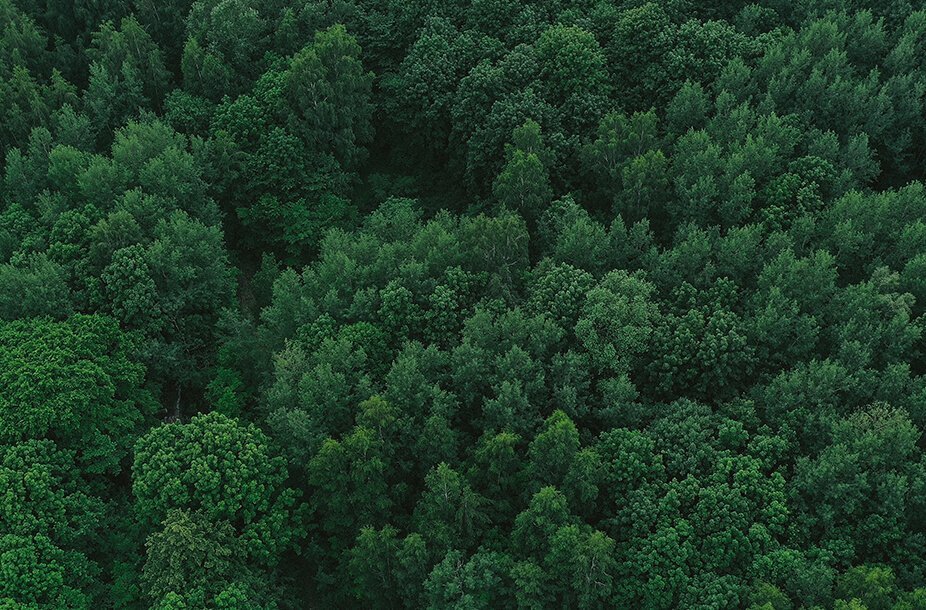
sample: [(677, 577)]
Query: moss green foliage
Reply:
[(470, 304)]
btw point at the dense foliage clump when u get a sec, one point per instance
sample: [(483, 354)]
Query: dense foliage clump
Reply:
[(476, 304)]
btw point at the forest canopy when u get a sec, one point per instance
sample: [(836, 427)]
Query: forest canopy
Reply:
[(462, 305)]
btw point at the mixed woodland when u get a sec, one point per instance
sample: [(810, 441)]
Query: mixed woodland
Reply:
[(469, 304)]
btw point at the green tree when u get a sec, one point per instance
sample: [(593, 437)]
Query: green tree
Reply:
[(74, 381), (553, 451), (449, 513), (37, 574), (480, 581), (127, 74), (617, 320), (524, 186), (199, 559), (36, 287), (329, 93), (225, 470)]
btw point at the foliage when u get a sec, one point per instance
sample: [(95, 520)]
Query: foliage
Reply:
[(476, 304)]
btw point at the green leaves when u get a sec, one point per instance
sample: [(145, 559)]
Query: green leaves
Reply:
[(36, 574), (479, 582), (296, 140), (538, 304), (523, 186), (127, 74), (616, 321), (224, 469), (44, 494), (74, 381), (201, 559), (329, 90), (449, 514)]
